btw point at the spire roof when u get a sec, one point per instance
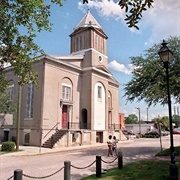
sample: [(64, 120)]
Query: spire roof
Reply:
[(88, 21)]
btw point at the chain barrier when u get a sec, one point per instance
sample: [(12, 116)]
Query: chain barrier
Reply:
[(32, 177), (43, 177), (10, 177), (83, 167), (108, 162)]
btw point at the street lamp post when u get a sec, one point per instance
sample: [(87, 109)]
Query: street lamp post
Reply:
[(166, 55), (139, 120), (147, 114)]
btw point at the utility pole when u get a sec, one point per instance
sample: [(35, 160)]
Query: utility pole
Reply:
[(147, 114), (18, 117), (139, 120)]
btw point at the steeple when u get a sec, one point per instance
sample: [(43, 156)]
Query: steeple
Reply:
[(89, 37), (88, 21)]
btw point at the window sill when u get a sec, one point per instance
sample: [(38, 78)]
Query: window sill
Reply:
[(28, 119)]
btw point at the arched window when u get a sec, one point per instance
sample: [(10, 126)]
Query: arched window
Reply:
[(66, 89)]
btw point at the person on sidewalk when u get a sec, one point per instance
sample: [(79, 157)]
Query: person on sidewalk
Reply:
[(114, 146), (110, 143)]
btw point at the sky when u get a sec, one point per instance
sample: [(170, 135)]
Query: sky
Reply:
[(158, 23)]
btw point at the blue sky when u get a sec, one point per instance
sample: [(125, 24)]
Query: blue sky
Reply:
[(158, 23)]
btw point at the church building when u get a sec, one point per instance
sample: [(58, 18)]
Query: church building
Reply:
[(76, 99)]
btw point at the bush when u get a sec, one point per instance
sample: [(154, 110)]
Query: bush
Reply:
[(8, 146)]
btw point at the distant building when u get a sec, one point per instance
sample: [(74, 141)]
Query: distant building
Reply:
[(76, 101), (122, 121)]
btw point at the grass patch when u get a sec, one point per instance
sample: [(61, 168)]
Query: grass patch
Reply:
[(7, 152), (149, 170), (166, 152)]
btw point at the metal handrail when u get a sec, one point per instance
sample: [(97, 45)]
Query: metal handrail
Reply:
[(51, 129)]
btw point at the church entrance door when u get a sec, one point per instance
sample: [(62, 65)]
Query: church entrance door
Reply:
[(64, 116)]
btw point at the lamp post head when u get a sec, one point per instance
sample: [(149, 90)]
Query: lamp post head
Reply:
[(165, 53)]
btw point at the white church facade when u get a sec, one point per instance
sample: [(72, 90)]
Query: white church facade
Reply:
[(76, 101)]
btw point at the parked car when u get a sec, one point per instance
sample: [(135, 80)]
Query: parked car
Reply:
[(164, 133), (152, 134), (125, 132), (176, 131), (131, 133)]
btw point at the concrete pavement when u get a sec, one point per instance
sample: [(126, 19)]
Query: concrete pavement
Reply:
[(32, 150)]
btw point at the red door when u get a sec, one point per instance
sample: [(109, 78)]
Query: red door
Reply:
[(64, 117)]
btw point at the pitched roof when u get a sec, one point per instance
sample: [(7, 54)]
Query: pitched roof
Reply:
[(88, 21)]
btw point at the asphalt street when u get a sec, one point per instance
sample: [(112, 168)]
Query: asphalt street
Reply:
[(43, 165)]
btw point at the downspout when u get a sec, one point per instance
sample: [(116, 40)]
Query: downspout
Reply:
[(42, 104)]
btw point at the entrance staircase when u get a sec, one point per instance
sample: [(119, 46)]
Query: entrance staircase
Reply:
[(54, 138)]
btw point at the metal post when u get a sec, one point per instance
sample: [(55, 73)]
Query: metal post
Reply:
[(147, 115), (18, 117), (174, 175), (139, 120), (98, 166), (120, 160), (67, 170), (173, 167), (170, 117), (18, 174)]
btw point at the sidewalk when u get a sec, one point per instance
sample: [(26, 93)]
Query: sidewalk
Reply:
[(32, 150)]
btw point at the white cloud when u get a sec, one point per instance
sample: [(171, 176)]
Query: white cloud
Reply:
[(105, 8), (163, 20), (122, 109), (120, 67)]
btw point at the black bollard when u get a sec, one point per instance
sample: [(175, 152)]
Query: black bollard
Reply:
[(120, 160), (174, 175), (98, 166), (18, 174), (67, 170)]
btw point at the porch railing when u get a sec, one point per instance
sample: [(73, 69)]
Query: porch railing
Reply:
[(76, 125)]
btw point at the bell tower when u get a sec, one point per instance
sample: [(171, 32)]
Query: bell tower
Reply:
[(89, 38)]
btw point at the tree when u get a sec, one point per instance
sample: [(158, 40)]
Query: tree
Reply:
[(133, 9), (163, 122), (20, 21), (17, 47), (148, 81), (6, 106), (176, 120), (131, 119)]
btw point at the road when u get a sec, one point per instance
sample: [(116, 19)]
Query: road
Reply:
[(46, 164)]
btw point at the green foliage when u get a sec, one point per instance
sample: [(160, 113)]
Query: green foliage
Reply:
[(131, 119), (6, 105), (167, 152), (8, 146), (163, 122), (20, 21), (149, 77), (133, 10), (176, 120), (137, 170)]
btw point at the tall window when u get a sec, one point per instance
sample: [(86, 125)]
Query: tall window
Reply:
[(66, 92), (109, 100), (29, 101), (77, 44), (10, 92), (99, 92), (81, 43)]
